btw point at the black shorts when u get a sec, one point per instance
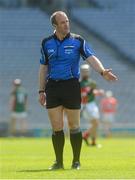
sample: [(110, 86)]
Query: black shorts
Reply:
[(64, 92)]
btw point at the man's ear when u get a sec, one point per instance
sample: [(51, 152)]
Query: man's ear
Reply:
[(54, 25)]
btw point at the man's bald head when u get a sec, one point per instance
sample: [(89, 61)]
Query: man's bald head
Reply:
[(56, 15)]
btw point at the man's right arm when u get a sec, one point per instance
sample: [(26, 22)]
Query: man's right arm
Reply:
[(42, 76), (42, 83), (12, 102)]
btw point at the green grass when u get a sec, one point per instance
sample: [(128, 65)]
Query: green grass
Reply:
[(30, 158)]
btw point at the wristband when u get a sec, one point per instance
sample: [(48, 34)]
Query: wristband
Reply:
[(41, 91)]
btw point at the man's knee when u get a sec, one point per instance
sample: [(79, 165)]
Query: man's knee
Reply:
[(95, 122), (75, 131), (74, 125), (57, 127)]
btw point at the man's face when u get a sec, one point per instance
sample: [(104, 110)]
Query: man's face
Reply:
[(62, 25), (85, 74)]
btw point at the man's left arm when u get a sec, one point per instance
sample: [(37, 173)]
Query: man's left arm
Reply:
[(98, 66), (25, 102)]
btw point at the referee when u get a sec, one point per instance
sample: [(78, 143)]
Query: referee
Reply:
[(59, 87)]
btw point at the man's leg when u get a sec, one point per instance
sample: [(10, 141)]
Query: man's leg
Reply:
[(73, 117), (13, 126), (107, 129), (86, 135), (23, 126), (94, 123), (93, 112), (58, 140)]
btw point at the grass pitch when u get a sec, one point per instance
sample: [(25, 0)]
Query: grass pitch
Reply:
[(29, 158)]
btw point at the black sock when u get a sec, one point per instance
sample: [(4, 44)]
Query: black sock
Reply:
[(76, 142), (58, 141)]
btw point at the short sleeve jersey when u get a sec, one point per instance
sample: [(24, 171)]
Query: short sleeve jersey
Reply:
[(63, 56), (20, 99), (87, 87)]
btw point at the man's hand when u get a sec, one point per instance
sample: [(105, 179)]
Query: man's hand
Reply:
[(42, 99), (97, 65), (99, 92), (108, 75)]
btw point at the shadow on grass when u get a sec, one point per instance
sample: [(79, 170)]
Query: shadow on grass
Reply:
[(34, 170), (42, 170)]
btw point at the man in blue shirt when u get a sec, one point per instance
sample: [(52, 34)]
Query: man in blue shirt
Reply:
[(59, 87)]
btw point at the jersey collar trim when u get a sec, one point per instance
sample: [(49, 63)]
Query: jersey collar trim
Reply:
[(67, 36)]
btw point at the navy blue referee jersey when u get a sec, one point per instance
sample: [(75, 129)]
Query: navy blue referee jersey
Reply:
[(63, 56)]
